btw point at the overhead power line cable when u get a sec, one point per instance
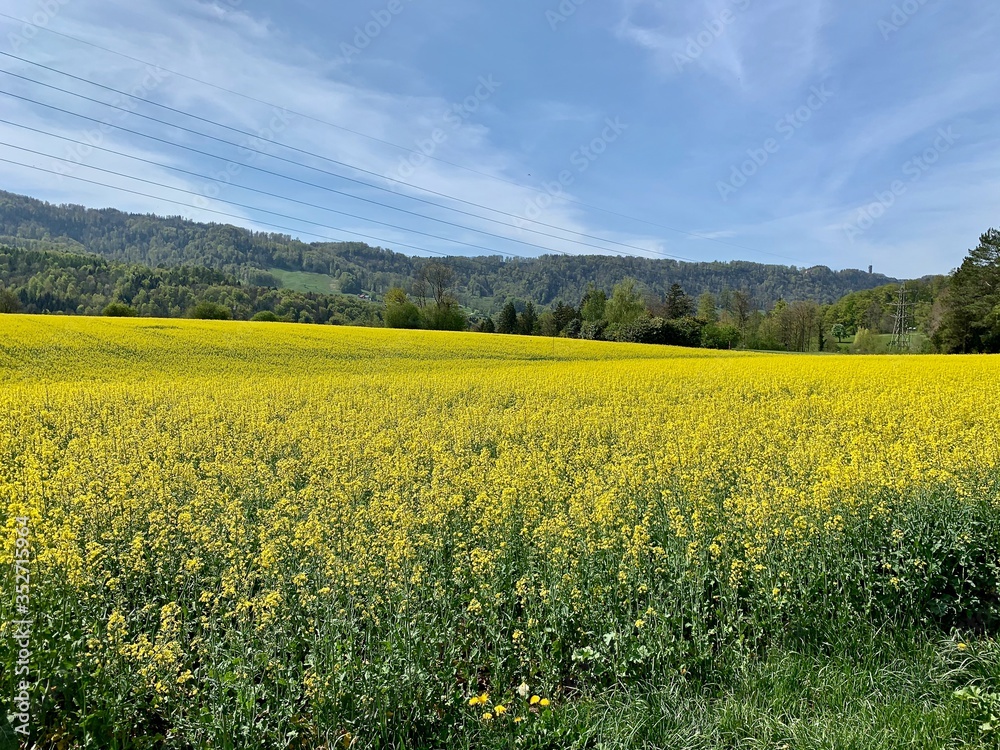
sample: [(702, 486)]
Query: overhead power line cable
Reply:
[(259, 191), (327, 159), (255, 208), (223, 213), (248, 97), (316, 169)]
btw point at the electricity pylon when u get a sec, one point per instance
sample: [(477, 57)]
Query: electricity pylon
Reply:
[(901, 329)]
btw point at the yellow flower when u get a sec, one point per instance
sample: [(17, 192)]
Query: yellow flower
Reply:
[(500, 710), (544, 702), (534, 699), (487, 716), (640, 624), (962, 646)]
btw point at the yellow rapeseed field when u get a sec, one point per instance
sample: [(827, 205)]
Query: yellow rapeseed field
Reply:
[(275, 531)]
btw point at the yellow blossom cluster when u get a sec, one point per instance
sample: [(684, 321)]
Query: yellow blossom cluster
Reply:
[(216, 498)]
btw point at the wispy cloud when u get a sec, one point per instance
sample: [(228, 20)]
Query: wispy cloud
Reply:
[(748, 44)]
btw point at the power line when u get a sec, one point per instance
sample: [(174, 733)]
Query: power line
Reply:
[(321, 171), (332, 174), (404, 148), (292, 200), (223, 213), (265, 192), (305, 116), (254, 208)]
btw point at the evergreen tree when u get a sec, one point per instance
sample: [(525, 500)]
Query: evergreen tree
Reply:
[(527, 321), (678, 304), (507, 320), (972, 306)]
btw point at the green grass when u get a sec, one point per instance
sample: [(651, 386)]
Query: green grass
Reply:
[(917, 341), (863, 693), (300, 281)]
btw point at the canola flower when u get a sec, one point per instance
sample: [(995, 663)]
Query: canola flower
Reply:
[(342, 529)]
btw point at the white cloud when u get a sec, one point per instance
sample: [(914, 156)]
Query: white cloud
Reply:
[(224, 48)]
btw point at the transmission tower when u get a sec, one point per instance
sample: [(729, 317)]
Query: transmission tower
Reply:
[(901, 330)]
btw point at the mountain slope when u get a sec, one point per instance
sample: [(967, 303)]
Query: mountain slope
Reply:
[(483, 283), (43, 281)]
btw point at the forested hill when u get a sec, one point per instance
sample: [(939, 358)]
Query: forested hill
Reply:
[(40, 281), (483, 283)]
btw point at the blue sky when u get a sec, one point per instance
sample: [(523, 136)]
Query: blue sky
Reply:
[(803, 132)]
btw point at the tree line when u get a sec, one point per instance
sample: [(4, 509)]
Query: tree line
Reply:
[(36, 281), (954, 314)]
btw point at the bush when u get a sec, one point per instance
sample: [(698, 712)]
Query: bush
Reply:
[(720, 337), (403, 315), (592, 331), (445, 317), (211, 311), (119, 310), (865, 342), (680, 332), (265, 316)]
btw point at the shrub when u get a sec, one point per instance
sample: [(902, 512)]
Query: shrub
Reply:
[(119, 310), (211, 311)]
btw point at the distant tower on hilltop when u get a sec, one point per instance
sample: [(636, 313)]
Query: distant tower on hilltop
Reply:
[(901, 328), (871, 269)]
